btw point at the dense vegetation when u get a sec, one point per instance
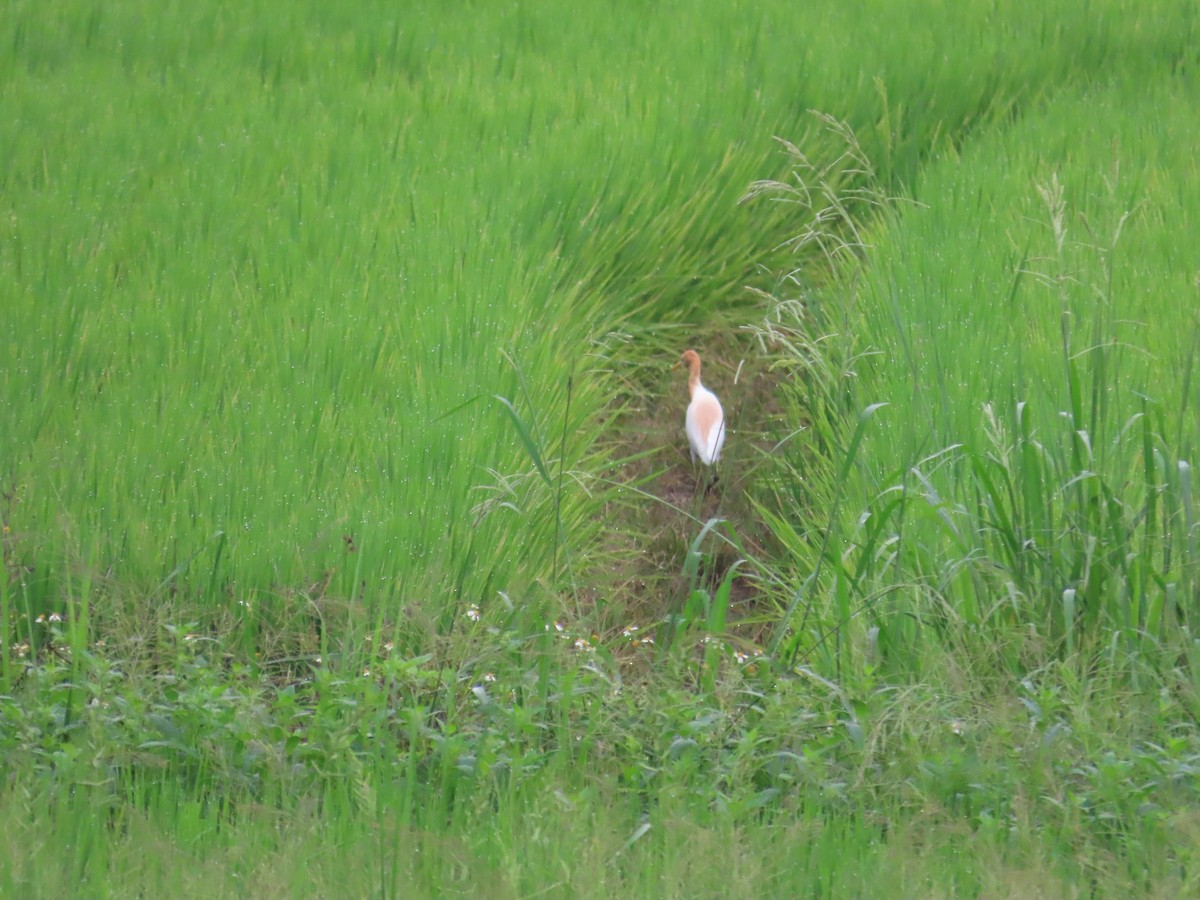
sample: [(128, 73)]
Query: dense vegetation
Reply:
[(350, 543)]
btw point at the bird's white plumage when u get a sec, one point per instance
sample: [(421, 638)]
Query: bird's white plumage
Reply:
[(705, 425), (705, 421)]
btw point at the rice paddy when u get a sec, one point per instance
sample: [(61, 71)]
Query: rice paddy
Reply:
[(351, 544)]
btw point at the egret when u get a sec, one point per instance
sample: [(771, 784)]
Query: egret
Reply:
[(705, 418)]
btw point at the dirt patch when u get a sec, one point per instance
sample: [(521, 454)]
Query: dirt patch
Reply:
[(669, 499)]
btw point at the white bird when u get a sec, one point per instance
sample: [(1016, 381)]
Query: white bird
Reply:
[(705, 418)]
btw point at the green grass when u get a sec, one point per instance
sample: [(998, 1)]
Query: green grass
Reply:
[(1040, 406), (337, 414)]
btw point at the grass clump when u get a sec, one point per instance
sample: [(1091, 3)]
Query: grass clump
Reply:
[(989, 505)]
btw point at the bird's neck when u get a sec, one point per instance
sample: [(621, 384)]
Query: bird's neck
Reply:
[(694, 378)]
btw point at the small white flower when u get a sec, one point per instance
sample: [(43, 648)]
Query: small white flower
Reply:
[(55, 617), (473, 613), (488, 676)]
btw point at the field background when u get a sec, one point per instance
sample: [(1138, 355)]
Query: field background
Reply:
[(350, 542)]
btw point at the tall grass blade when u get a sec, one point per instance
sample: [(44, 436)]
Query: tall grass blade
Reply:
[(810, 583), (527, 440)]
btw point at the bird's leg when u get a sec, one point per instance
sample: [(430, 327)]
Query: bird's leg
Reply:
[(706, 477), (711, 477)]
